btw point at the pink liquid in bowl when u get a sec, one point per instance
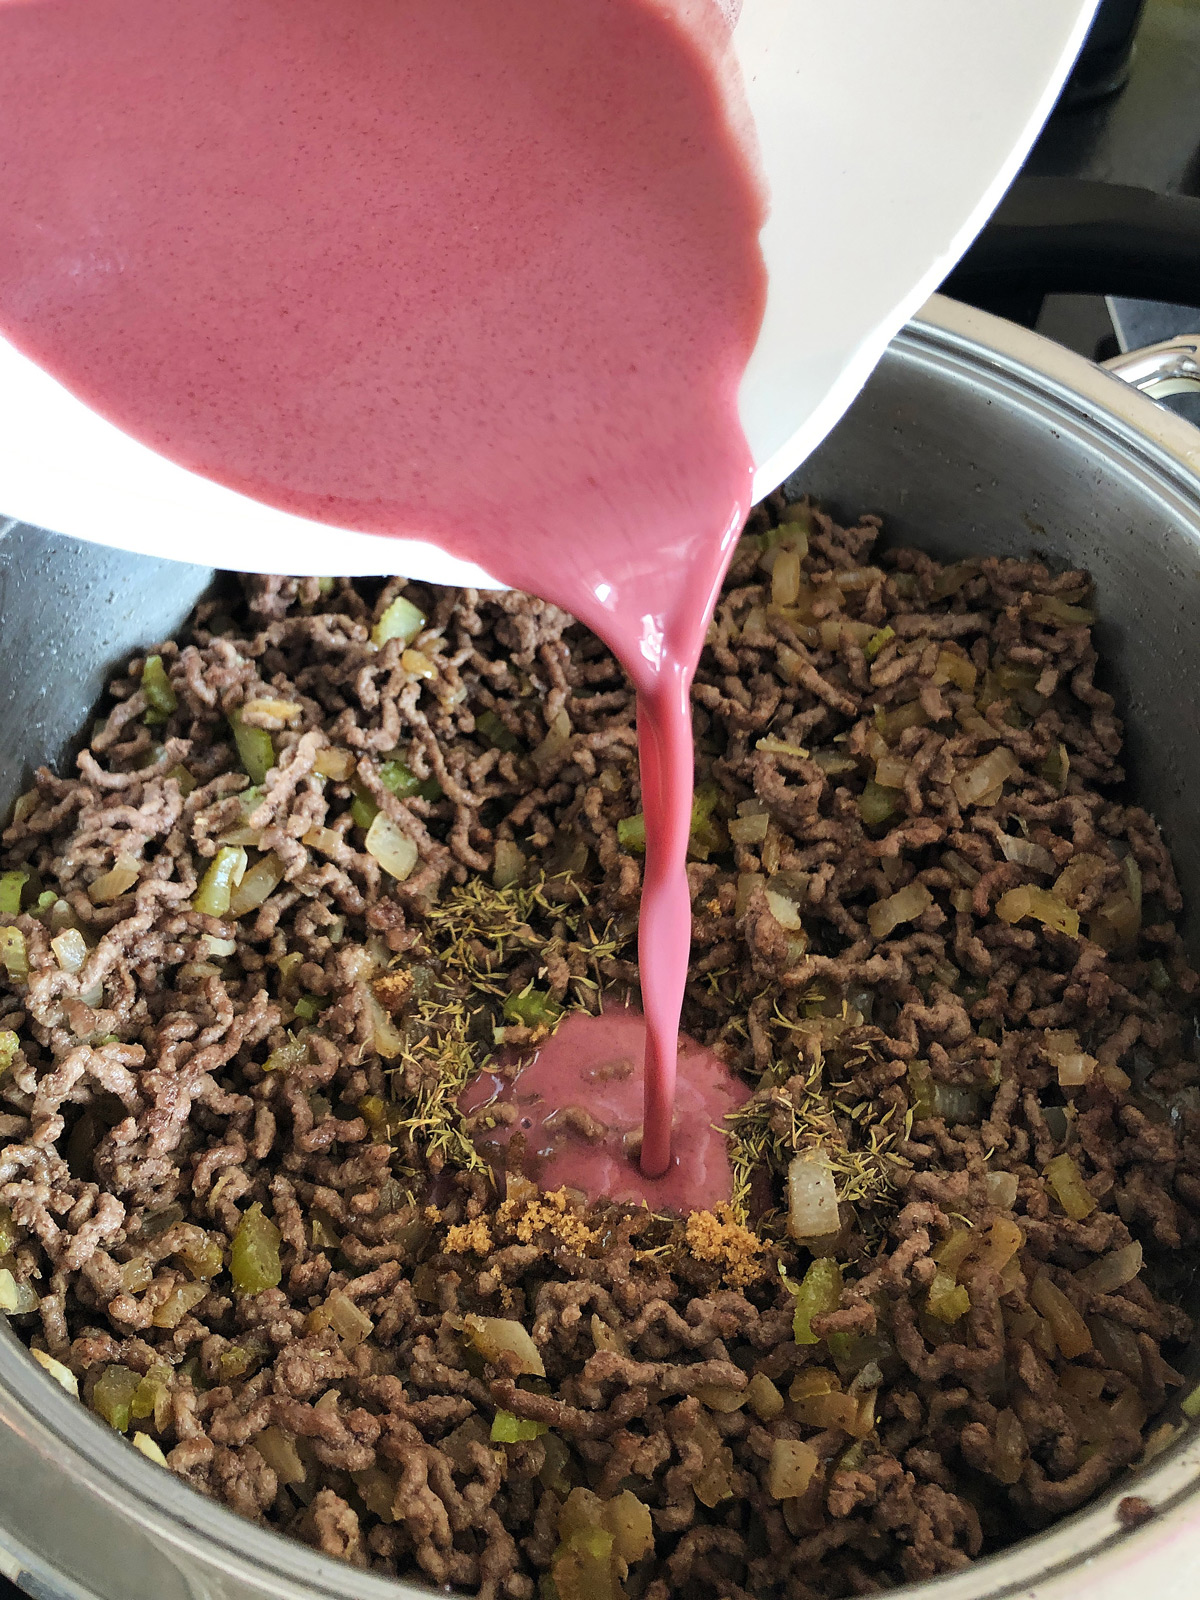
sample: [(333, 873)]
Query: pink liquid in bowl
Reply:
[(482, 273)]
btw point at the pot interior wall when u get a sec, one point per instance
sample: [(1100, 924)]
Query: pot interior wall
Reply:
[(70, 612)]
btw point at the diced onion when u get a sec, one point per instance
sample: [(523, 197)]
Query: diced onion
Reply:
[(387, 1041), (417, 664), (904, 906), (961, 868), (1112, 1271), (790, 1468), (214, 947), (1072, 1194), (112, 884), (278, 1450), (955, 667), (149, 1448), (400, 620), (785, 578), (327, 840), (990, 773), (62, 1375), (812, 1197), (1002, 1189), (395, 852), (556, 743), (280, 710), (764, 1397), (890, 772), (749, 830), (336, 764), (784, 911), (1012, 1447), (1069, 1329), (70, 950), (508, 863), (261, 880), (1026, 854), (1042, 904), (497, 1337)]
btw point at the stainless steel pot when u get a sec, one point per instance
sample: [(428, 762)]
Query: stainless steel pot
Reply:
[(972, 436)]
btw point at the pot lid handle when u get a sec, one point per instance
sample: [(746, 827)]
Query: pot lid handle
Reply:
[(1157, 370)]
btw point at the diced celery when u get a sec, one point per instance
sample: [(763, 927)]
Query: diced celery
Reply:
[(254, 1257), (309, 1006), (11, 885), (112, 1398), (820, 1291), (156, 687), (877, 641), (947, 1300), (533, 1008), (876, 804), (13, 952), (399, 778), (400, 620), (255, 748), (9, 1045), (510, 1429), (631, 832), (496, 732)]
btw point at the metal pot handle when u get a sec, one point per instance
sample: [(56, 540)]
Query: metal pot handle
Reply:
[(1157, 370)]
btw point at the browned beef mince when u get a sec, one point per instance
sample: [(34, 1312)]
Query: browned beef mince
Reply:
[(299, 1065)]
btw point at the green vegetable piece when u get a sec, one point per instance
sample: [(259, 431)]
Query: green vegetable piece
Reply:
[(876, 804), (877, 641), (1190, 1404), (399, 778), (224, 874), (820, 1291), (44, 901), (363, 809), (13, 952), (11, 885), (255, 748), (496, 732), (707, 832), (510, 1429), (631, 832), (325, 585), (947, 1300), (8, 1232), (401, 620), (156, 687), (922, 1091), (254, 1258), (533, 1008), (152, 1396), (308, 1007), (112, 1398), (9, 1045), (584, 1568)]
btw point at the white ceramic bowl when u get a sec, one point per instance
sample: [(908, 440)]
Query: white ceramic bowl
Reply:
[(887, 131)]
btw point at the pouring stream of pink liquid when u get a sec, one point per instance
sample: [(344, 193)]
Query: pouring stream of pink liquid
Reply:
[(482, 273)]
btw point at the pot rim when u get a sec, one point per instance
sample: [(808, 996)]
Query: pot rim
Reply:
[(45, 1433)]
